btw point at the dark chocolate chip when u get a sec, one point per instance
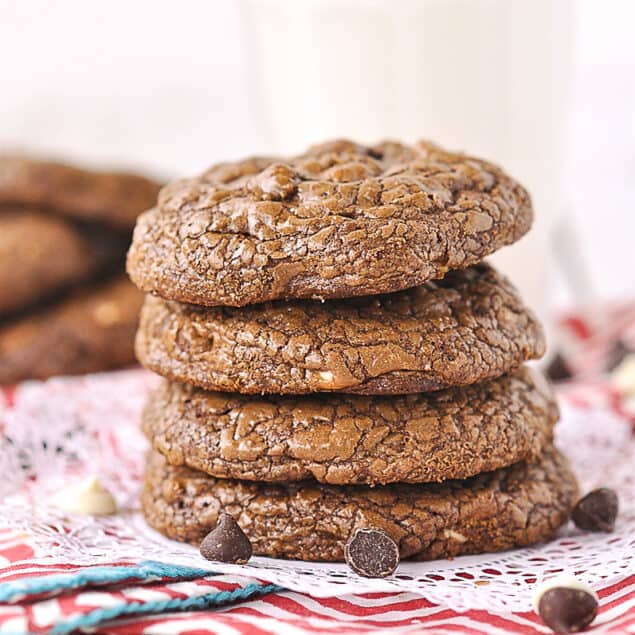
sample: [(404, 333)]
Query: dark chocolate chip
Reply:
[(597, 511), (371, 553), (558, 370), (618, 353), (226, 542), (567, 610)]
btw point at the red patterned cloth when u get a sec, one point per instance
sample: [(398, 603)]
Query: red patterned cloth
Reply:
[(282, 612), (279, 613)]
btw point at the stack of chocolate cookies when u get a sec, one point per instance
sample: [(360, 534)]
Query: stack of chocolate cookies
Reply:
[(338, 357), (66, 306)]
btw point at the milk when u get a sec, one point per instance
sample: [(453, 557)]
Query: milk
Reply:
[(488, 76)]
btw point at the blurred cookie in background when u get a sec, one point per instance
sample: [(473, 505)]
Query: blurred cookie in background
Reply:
[(112, 199), (41, 254), (65, 304), (88, 331)]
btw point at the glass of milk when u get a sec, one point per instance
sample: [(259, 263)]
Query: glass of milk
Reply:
[(488, 77)]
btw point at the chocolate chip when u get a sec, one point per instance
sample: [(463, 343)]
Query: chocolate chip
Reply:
[(597, 510), (618, 353), (226, 542), (371, 553), (558, 369), (567, 609)]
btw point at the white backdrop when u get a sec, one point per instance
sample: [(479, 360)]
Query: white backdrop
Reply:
[(168, 87)]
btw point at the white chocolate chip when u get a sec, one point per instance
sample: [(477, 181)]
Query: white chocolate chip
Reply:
[(623, 377), (107, 314), (564, 580), (454, 535), (87, 497), (326, 377)]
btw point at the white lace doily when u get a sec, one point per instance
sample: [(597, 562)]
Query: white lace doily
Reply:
[(62, 430)]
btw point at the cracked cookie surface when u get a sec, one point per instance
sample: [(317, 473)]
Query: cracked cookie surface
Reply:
[(343, 439), (113, 199), (89, 331), (467, 327), (41, 254), (511, 507), (341, 220)]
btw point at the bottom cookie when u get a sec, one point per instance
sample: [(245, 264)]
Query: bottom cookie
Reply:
[(89, 331), (511, 507)]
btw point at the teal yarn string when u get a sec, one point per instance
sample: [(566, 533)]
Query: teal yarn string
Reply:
[(11, 592), (139, 608)]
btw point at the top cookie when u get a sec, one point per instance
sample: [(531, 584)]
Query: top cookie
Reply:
[(341, 220), (114, 199)]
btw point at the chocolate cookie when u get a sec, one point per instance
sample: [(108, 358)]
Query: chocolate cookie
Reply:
[(113, 199), (511, 507), (41, 254), (467, 327), (90, 331), (343, 439), (341, 220)]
